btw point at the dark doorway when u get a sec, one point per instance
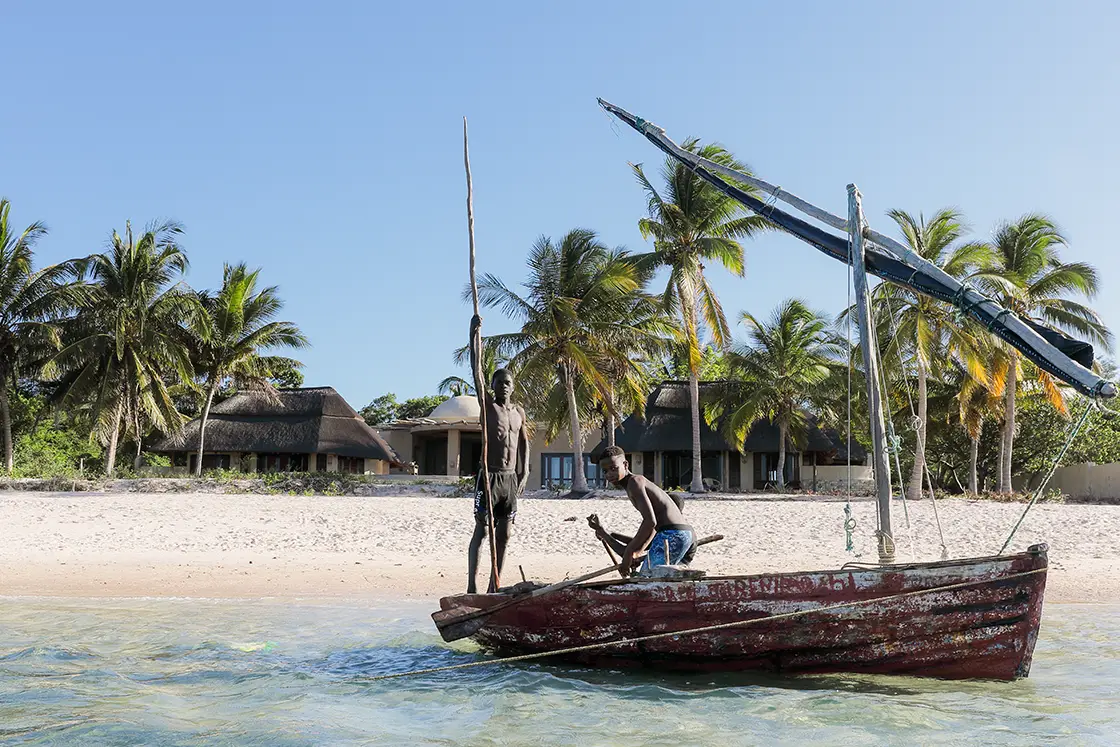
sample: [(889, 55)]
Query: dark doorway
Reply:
[(210, 461), (734, 478), (766, 470), (435, 456), (470, 454), (676, 468)]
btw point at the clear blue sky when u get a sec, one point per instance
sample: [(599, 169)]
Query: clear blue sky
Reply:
[(322, 141)]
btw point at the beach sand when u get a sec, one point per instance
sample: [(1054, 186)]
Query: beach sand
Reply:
[(412, 545)]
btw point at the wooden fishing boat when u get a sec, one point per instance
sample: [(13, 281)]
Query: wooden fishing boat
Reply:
[(971, 618), (965, 618)]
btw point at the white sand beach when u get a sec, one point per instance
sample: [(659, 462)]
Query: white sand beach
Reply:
[(411, 545)]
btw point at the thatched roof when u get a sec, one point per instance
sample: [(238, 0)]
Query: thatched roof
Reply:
[(668, 427), (668, 424), (299, 421)]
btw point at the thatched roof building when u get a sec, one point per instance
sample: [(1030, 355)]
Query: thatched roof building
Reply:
[(661, 444), (668, 427), (447, 441), (312, 422)]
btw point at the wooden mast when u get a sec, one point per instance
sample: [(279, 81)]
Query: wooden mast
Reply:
[(869, 345), (479, 384)]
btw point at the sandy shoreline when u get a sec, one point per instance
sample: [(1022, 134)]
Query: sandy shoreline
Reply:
[(414, 546)]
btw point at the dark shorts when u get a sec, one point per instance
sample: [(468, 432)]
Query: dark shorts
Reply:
[(503, 493)]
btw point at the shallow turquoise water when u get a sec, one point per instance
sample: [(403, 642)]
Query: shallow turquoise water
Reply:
[(179, 672)]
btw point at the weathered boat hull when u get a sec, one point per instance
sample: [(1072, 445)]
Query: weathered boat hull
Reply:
[(986, 629)]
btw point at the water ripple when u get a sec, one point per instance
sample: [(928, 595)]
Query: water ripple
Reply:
[(173, 672)]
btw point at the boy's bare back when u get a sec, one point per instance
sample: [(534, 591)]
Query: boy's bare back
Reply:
[(665, 510)]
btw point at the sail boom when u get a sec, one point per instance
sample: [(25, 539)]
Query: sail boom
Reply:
[(885, 258)]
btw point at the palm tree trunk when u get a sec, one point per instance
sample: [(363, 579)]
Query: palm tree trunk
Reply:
[(1002, 457), (202, 428), (915, 491), (579, 478), (697, 485), (111, 459), (783, 431), (974, 452), (139, 440), (1009, 424), (610, 419), (6, 416)]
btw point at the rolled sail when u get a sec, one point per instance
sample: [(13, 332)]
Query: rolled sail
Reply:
[(1054, 352)]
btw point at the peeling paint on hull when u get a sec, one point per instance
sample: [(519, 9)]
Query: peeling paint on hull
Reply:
[(984, 631)]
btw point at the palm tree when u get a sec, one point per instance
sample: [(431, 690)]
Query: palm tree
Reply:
[(693, 223), (234, 326), (457, 386), (31, 305), (1029, 278), (927, 332), (575, 326), (628, 386), (776, 375), (628, 374), (626, 371), (976, 403), (129, 340)]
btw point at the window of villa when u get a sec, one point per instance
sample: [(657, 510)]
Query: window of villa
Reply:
[(352, 465), (282, 463), (556, 472)]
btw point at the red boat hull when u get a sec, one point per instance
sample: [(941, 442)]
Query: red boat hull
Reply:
[(984, 630)]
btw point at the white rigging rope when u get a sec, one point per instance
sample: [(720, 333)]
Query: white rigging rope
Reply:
[(849, 522), (919, 431)]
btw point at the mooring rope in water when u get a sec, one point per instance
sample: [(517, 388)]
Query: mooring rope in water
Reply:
[(706, 629), (1053, 468)]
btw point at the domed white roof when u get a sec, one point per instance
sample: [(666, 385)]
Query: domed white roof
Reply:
[(464, 407)]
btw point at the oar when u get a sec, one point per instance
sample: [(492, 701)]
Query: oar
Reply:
[(610, 552), (461, 621)]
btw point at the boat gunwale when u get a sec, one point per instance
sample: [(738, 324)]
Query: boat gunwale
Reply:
[(1035, 552)]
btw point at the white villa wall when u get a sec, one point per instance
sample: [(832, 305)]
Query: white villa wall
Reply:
[(833, 477), (1087, 481)]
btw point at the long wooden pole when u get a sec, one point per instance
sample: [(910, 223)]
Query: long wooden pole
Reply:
[(479, 384), (871, 370)]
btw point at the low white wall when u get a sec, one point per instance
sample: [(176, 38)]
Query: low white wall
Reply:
[(834, 477), (1083, 481), (432, 479)]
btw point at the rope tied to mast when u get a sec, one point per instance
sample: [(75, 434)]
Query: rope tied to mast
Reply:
[(849, 527)]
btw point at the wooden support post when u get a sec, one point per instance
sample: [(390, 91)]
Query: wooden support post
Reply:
[(869, 345)]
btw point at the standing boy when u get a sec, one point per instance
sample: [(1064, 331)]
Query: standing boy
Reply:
[(507, 462)]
